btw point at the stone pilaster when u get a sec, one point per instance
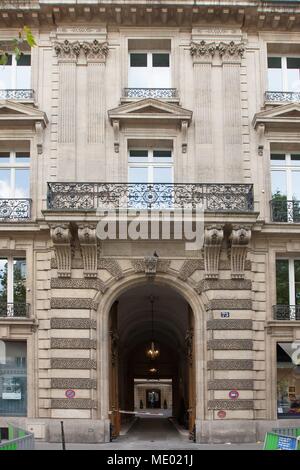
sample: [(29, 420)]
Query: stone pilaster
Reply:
[(231, 55)]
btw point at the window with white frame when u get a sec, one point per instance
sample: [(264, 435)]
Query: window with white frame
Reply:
[(284, 73), (150, 166), (12, 281), (285, 175), (149, 69), (288, 281), (16, 74), (14, 174)]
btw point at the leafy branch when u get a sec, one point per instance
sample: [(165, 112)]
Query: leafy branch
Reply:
[(24, 36)]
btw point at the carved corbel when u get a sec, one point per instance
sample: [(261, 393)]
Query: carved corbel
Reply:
[(116, 127), (39, 137), (184, 131), (150, 265), (261, 136), (89, 249), (213, 237), (239, 244), (61, 237)]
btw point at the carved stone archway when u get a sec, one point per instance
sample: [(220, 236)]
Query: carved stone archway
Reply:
[(103, 326)]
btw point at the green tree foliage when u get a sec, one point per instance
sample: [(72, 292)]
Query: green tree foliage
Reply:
[(25, 36)]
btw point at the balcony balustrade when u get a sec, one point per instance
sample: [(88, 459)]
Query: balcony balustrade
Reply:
[(16, 309), (286, 312), (159, 93), (15, 210), (285, 211), (91, 196), (18, 94), (282, 96)]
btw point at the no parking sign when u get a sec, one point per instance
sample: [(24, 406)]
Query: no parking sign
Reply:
[(70, 393), (233, 394)]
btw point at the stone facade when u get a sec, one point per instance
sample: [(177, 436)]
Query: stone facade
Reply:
[(79, 128)]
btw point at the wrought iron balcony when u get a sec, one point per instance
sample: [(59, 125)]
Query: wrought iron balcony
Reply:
[(18, 94), (160, 93), (90, 196), (14, 210), (17, 309), (285, 211), (282, 96), (286, 312)]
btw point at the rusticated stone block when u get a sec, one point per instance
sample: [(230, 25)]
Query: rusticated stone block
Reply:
[(73, 303), (223, 284), (73, 343), (222, 384), (234, 324), (70, 363), (232, 304), (74, 403), (73, 383), (72, 323), (66, 283), (230, 404), (237, 344), (230, 364)]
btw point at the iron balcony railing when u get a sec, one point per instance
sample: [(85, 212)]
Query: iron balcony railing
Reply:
[(282, 96), (91, 196), (15, 210), (16, 309), (285, 211), (17, 94), (165, 93), (286, 312)]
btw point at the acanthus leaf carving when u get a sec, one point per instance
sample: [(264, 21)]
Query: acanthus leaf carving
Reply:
[(61, 237), (89, 249), (225, 51), (239, 244), (94, 51), (213, 238), (67, 50)]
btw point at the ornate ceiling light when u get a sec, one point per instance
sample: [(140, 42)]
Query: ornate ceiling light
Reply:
[(152, 352)]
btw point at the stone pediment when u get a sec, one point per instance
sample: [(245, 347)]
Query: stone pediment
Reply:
[(10, 112), (152, 111), (150, 108), (287, 115)]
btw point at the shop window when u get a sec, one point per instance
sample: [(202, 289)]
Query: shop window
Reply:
[(13, 378), (288, 380)]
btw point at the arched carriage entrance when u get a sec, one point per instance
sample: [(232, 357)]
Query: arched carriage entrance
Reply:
[(140, 312)]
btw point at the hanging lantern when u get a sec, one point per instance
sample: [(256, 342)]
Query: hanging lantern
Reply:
[(152, 352)]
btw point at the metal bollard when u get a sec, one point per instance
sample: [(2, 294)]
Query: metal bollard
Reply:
[(62, 436)]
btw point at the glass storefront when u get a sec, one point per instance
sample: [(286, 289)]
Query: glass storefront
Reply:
[(288, 380), (13, 378)]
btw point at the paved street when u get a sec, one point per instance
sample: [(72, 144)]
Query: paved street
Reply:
[(151, 434)]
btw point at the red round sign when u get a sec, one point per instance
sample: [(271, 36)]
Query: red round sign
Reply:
[(221, 414), (234, 394), (70, 393)]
